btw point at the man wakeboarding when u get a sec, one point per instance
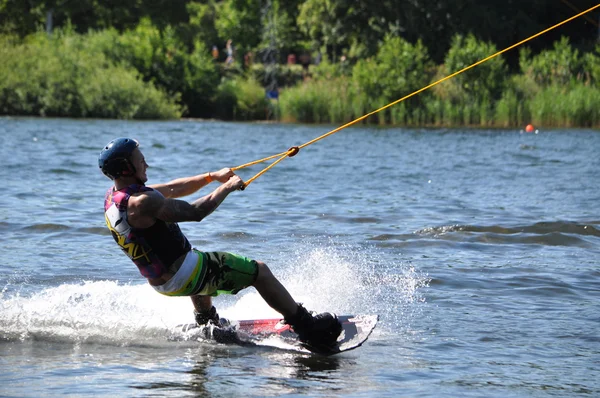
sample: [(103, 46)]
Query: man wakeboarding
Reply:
[(143, 221)]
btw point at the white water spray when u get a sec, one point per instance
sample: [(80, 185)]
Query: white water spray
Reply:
[(325, 277)]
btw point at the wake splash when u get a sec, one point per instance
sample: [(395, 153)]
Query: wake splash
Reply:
[(91, 312), (322, 277)]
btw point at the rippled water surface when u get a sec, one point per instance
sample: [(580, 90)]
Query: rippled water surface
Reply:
[(478, 249)]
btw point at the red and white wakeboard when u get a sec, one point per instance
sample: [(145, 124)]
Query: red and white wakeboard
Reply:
[(356, 329)]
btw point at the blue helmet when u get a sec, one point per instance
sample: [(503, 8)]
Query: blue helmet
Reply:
[(114, 160)]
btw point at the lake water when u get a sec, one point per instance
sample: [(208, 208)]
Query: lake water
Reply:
[(479, 249)]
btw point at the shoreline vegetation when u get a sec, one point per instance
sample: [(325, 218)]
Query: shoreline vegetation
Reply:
[(148, 73)]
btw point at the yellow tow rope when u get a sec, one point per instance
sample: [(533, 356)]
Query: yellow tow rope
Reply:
[(294, 150)]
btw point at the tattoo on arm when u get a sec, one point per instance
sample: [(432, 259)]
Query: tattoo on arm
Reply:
[(174, 210)]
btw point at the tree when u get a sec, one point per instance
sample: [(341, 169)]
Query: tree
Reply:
[(239, 21), (24, 17), (323, 22), (486, 81), (398, 69), (559, 66), (201, 26)]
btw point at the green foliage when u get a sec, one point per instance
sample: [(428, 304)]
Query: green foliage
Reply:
[(26, 17), (285, 75), (317, 102), (513, 108), (327, 70), (510, 110), (438, 112), (561, 65), (485, 81), (58, 77), (591, 67), (20, 17), (558, 105), (162, 59), (201, 26), (398, 69), (161, 71), (279, 31), (240, 21), (251, 100), (323, 22), (351, 27), (239, 99), (225, 100)]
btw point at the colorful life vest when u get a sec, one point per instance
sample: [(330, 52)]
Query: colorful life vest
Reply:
[(152, 249)]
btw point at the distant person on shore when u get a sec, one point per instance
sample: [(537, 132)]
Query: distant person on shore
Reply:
[(248, 59), (305, 62), (143, 221), (215, 53), (318, 58), (229, 52), (272, 94)]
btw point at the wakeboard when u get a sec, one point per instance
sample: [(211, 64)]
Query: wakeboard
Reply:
[(356, 329)]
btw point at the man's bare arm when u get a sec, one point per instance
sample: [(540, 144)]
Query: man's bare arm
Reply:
[(183, 186), (188, 185), (156, 206)]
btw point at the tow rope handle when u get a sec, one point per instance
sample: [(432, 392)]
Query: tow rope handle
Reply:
[(293, 151)]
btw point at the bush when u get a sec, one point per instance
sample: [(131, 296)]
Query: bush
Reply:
[(314, 102), (398, 69), (225, 100), (559, 66), (239, 99), (58, 77), (116, 93), (251, 100), (326, 70), (513, 108), (162, 58), (591, 62), (484, 82), (284, 75), (577, 105)]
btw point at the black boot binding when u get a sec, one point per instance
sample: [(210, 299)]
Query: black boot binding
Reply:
[(204, 317), (211, 316), (321, 330), (216, 328)]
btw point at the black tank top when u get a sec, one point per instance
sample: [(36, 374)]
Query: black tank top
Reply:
[(152, 249)]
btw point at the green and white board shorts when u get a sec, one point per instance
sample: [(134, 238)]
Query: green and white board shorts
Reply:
[(210, 274)]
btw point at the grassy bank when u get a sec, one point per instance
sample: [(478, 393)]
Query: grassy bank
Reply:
[(333, 102), (559, 87)]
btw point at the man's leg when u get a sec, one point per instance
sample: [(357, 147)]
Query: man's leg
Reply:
[(201, 303), (230, 273), (273, 292), (321, 329)]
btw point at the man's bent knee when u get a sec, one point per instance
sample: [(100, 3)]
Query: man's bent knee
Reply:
[(264, 272)]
